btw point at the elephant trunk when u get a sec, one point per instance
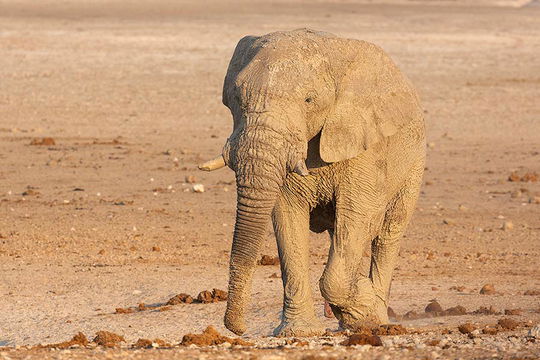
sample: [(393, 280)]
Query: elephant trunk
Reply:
[(249, 232), (259, 176)]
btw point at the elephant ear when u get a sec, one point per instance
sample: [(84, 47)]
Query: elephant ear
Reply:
[(373, 101)]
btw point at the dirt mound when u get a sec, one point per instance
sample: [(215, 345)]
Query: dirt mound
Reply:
[(433, 307), (46, 141), (267, 260), (108, 339), (483, 310), (362, 339), (204, 297), (466, 328), (79, 339), (180, 299), (207, 297), (149, 344), (210, 336), (488, 289), (526, 177), (508, 324)]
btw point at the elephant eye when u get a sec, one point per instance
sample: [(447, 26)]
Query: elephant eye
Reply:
[(308, 100)]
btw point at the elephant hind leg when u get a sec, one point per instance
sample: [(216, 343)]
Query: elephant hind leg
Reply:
[(385, 247)]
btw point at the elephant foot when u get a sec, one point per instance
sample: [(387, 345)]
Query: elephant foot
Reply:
[(235, 323), (299, 327)]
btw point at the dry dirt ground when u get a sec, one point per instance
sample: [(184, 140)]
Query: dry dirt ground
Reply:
[(130, 91)]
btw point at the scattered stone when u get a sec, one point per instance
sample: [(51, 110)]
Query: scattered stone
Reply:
[(527, 177), (513, 312), (209, 337), (508, 324), (108, 339), (190, 179), (149, 344), (389, 330), (488, 330), (267, 260), (458, 288), (534, 200), (434, 307), (483, 310), (466, 328), (433, 342), (456, 310), (180, 299), (488, 289), (143, 344), (198, 188), (156, 248), (363, 339), (46, 141), (507, 225)]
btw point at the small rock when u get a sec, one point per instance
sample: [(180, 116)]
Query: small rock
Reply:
[(508, 324), (433, 307), (466, 328), (190, 179), (198, 188), (534, 200), (488, 289), (508, 225)]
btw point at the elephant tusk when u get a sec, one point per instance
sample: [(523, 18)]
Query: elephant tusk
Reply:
[(301, 169), (213, 164)]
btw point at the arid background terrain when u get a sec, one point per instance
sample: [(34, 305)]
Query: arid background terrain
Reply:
[(104, 216)]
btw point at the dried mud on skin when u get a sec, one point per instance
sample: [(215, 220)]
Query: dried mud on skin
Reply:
[(204, 297), (210, 336)]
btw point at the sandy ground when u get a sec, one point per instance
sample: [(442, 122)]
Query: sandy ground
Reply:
[(131, 93)]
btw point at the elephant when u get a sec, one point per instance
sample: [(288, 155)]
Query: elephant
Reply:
[(328, 135)]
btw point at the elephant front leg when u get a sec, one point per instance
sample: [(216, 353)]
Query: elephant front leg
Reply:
[(291, 225), (344, 284)]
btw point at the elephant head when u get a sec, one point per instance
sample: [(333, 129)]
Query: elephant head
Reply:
[(283, 89)]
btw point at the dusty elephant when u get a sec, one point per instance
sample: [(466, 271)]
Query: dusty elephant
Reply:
[(328, 136)]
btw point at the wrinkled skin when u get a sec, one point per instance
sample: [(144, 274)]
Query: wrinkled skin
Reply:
[(328, 136)]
